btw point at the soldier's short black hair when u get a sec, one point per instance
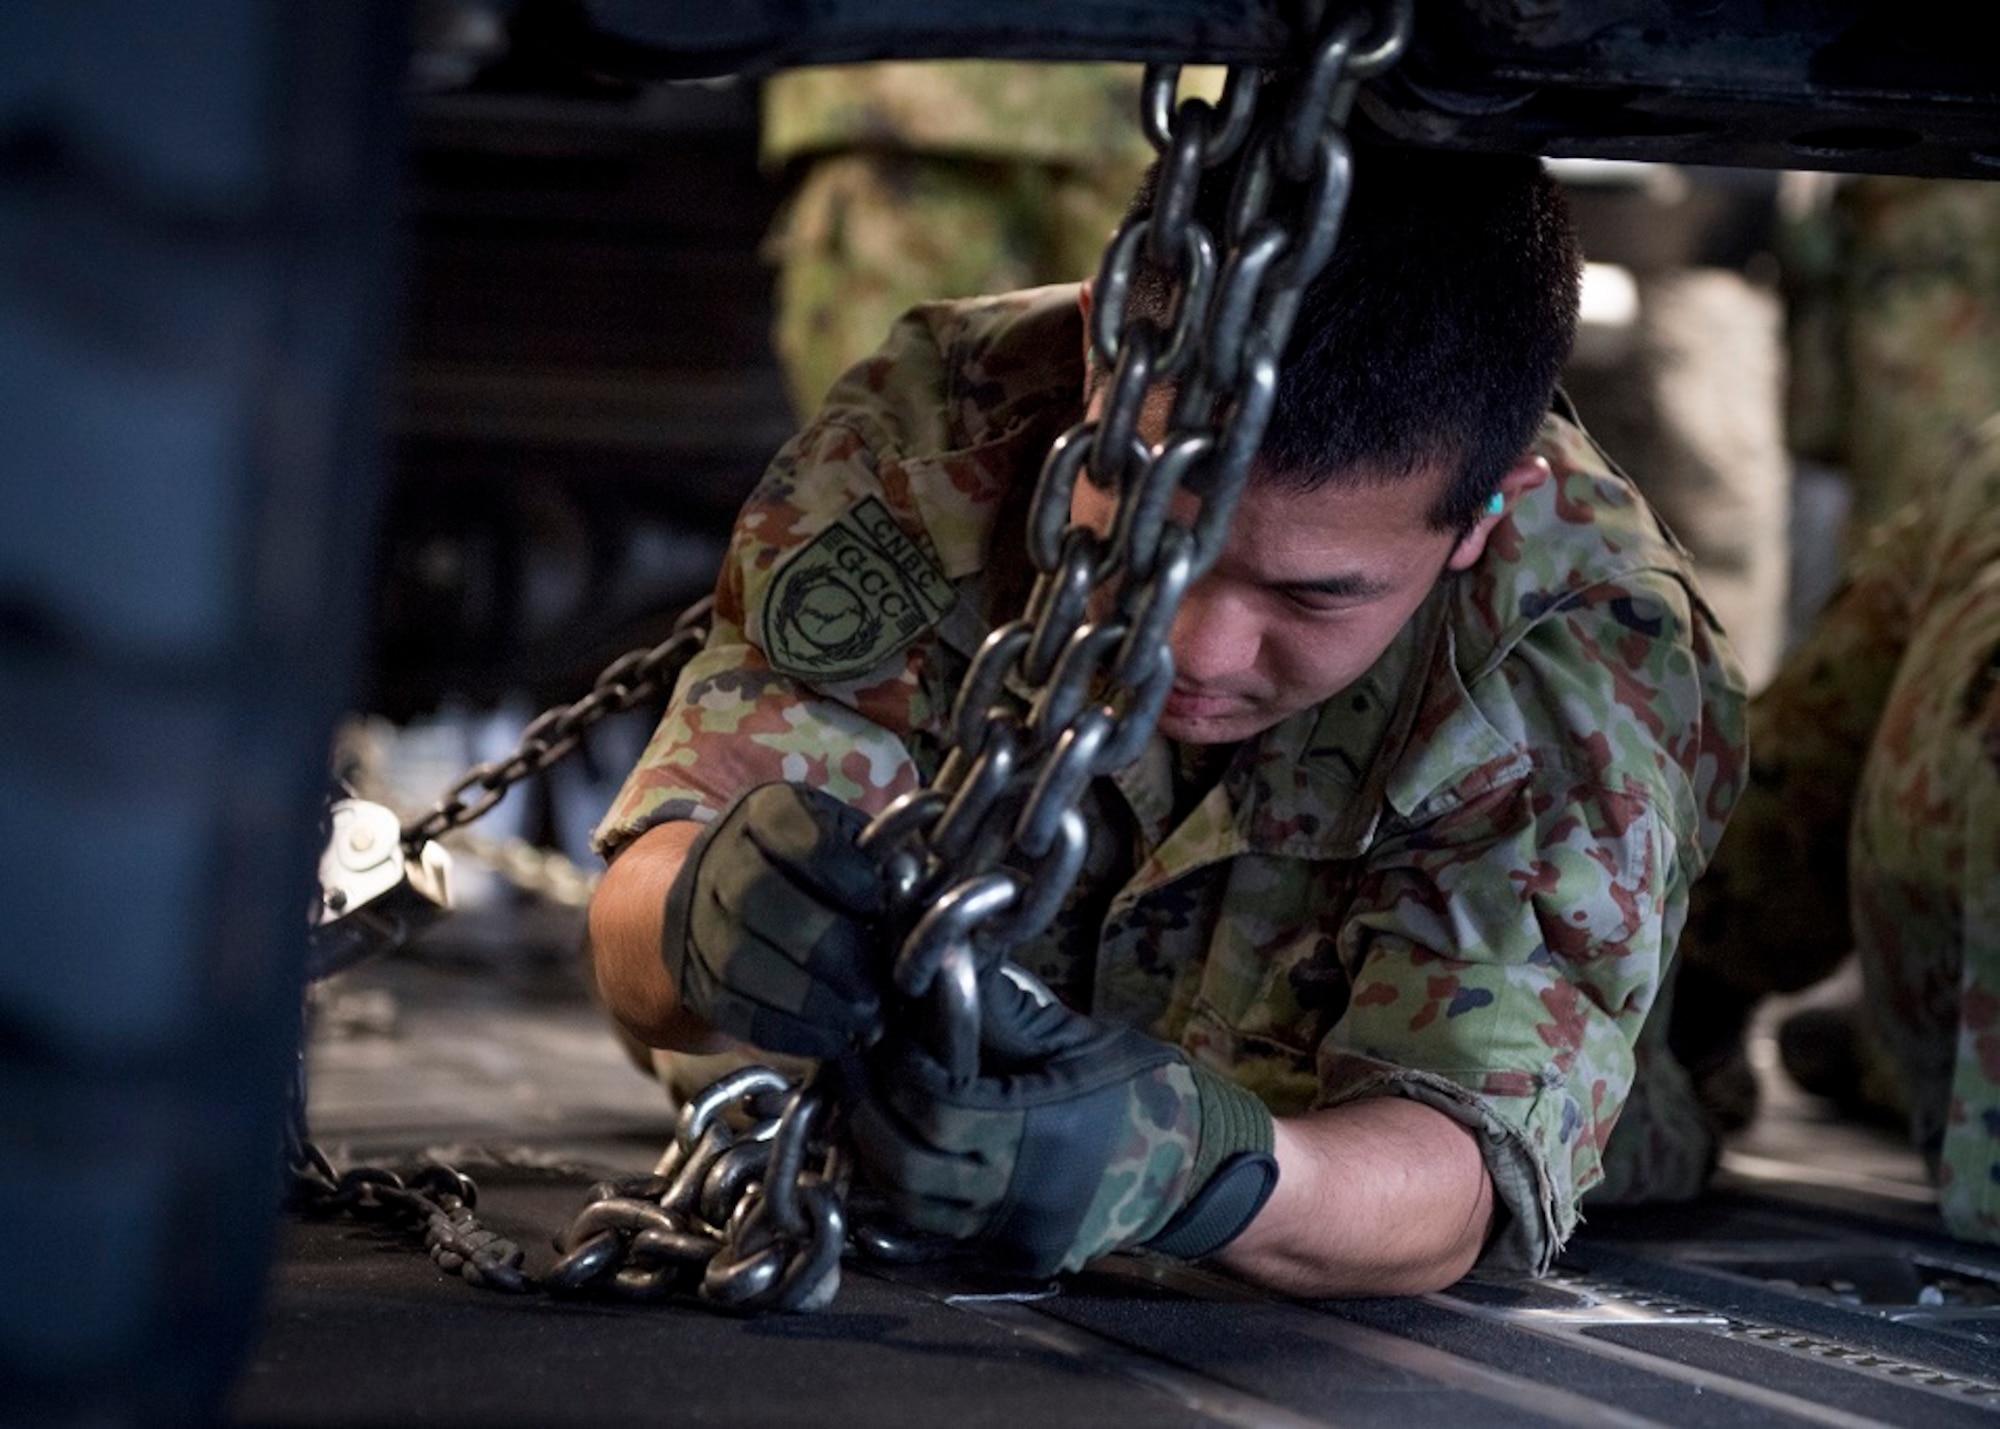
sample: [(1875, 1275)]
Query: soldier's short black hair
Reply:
[(1434, 335)]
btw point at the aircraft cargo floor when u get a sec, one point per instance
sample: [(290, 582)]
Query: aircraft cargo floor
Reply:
[(1813, 1286)]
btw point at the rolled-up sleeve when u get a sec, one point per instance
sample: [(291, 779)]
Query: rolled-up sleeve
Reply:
[(1504, 958), (734, 721), (1515, 923)]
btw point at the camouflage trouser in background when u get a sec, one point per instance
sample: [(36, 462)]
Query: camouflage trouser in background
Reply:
[(868, 234), (1894, 309), (1872, 822)]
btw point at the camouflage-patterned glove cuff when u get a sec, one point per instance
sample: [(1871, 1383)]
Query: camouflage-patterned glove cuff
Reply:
[(1233, 1175)]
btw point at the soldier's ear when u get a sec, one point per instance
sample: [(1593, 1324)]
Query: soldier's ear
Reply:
[(1085, 302), (1524, 476)]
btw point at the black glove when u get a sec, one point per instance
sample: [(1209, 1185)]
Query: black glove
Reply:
[(770, 925), (1076, 1139)]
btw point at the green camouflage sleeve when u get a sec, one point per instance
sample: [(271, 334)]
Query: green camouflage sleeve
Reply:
[(736, 718), (736, 723), (827, 662), (1505, 960), (1516, 920)]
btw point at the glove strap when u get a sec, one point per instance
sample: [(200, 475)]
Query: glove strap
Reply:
[(1234, 1171)]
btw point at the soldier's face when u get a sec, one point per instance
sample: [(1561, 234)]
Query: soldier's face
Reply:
[(1310, 589)]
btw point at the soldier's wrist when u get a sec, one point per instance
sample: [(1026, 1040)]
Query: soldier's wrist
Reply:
[(677, 914)]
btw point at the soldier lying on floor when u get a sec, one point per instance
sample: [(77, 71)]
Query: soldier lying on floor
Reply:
[(1368, 958)]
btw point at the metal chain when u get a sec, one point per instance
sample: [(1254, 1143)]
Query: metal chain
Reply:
[(435, 1198), (547, 873), (990, 849), (747, 1218), (632, 679), (696, 1225)]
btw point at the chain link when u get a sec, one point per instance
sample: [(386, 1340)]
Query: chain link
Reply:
[(434, 1198), (746, 1211), (547, 873), (630, 680), (992, 846)]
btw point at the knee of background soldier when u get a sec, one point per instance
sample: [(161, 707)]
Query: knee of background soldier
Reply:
[(1664, 1146)]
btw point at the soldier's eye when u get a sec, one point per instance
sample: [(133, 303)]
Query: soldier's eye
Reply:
[(1319, 603)]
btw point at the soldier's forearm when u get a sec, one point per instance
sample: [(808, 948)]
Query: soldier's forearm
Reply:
[(1385, 1196), (627, 915)]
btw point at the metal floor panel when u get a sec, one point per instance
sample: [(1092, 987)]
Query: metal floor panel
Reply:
[(1813, 1297)]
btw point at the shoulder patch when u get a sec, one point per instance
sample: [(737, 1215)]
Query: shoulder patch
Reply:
[(857, 592)]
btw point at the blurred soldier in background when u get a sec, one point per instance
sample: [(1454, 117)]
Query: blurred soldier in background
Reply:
[(915, 181), (1872, 818), (1872, 822), (1894, 292)]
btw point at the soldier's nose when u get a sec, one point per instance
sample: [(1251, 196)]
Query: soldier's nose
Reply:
[(1213, 637)]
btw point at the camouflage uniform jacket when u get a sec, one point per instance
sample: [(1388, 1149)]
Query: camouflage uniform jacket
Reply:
[(1460, 879)]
